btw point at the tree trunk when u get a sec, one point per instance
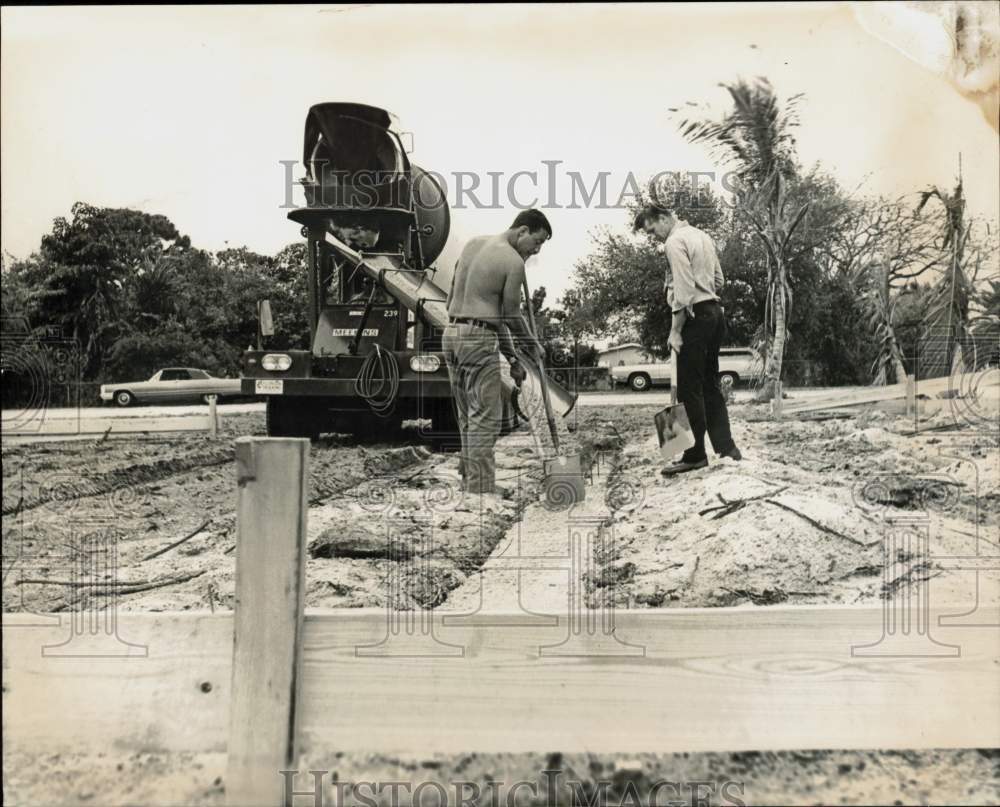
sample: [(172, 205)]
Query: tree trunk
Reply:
[(775, 356), (897, 360), (894, 351)]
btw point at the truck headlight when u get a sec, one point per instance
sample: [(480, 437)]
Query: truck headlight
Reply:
[(276, 361), (425, 363)]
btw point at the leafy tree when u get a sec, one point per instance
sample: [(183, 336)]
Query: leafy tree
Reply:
[(619, 288), (289, 292), (80, 273)]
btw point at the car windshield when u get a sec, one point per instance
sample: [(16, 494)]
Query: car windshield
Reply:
[(199, 374)]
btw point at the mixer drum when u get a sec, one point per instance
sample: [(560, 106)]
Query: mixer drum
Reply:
[(357, 168), (352, 160), (433, 216)]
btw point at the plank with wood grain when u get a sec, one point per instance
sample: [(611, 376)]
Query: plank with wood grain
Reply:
[(99, 425), (272, 502), (725, 679), (982, 382)]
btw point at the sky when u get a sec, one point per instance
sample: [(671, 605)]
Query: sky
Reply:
[(188, 111)]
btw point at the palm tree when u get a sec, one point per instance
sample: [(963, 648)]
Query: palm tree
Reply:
[(153, 289), (881, 305), (949, 307), (757, 137)]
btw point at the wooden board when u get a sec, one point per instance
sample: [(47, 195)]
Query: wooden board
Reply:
[(852, 398), (272, 476), (723, 679), (98, 425), (928, 387)]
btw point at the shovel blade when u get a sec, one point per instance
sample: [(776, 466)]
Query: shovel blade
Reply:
[(563, 485), (673, 430)]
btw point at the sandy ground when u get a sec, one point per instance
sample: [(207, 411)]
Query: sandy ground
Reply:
[(809, 505), (148, 493), (800, 520), (967, 777)]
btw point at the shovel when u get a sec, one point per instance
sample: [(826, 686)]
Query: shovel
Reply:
[(563, 483), (673, 430)]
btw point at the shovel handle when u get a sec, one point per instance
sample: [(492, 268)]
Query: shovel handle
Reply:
[(673, 376), (541, 372)]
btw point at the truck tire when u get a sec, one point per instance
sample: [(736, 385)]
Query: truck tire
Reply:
[(367, 427), (640, 382), (444, 429), (287, 417), (375, 429)]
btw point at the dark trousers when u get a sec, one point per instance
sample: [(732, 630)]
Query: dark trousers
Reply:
[(698, 380)]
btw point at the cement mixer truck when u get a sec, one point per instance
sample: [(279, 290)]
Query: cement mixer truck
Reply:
[(374, 223)]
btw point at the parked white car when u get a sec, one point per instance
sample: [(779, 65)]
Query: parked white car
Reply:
[(171, 385), (736, 364)]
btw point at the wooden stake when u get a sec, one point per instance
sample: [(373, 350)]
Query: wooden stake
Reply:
[(213, 422), (272, 476)]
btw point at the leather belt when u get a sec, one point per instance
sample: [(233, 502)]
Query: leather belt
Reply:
[(704, 303), (479, 323)]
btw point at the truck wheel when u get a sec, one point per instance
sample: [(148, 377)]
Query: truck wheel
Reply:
[(640, 382), (444, 429), (377, 429), (292, 418), (366, 427)]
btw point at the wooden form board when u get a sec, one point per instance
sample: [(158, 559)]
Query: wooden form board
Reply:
[(927, 387), (98, 425), (722, 679), (852, 398)]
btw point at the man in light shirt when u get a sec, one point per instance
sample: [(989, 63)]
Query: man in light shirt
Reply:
[(698, 328)]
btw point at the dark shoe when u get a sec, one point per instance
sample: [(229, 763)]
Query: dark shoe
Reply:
[(733, 454), (683, 467)]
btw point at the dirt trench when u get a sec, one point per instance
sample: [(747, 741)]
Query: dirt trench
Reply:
[(157, 517)]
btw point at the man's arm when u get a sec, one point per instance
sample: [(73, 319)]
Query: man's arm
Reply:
[(680, 268), (512, 318), (677, 320)]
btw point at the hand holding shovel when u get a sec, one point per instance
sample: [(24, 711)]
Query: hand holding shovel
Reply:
[(563, 475), (673, 430)]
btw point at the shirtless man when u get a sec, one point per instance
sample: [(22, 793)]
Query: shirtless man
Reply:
[(484, 308)]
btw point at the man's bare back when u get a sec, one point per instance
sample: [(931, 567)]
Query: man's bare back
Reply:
[(487, 278), (484, 304)]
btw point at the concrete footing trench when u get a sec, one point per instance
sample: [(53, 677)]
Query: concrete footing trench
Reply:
[(800, 520)]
